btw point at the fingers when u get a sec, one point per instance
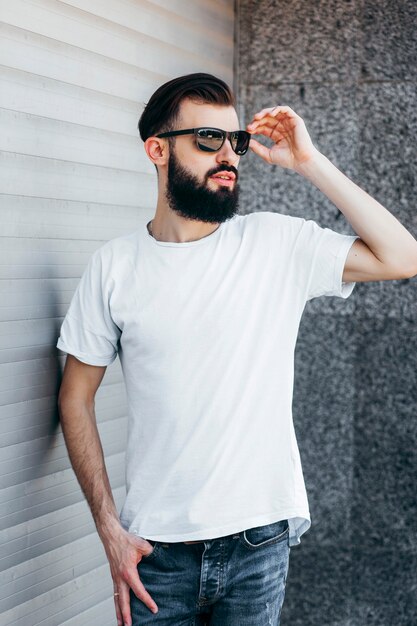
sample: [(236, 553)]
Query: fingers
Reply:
[(141, 593), (123, 585), (119, 616), (281, 122), (260, 150), (124, 553), (122, 601), (273, 130), (272, 115), (273, 111), (277, 123), (276, 133)]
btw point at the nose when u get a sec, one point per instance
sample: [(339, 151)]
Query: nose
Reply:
[(226, 154)]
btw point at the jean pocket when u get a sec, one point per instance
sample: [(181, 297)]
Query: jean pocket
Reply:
[(259, 536)]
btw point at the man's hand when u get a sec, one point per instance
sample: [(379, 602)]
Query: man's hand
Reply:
[(292, 143), (124, 551)]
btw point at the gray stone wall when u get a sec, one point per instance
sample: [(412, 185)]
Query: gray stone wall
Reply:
[(349, 69)]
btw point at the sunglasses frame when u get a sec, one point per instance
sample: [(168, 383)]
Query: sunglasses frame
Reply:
[(194, 131)]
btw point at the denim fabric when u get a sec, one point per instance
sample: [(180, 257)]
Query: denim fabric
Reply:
[(235, 580)]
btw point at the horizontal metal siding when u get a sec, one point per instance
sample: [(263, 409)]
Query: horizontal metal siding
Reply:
[(73, 174)]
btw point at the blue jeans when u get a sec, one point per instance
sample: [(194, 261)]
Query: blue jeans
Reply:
[(235, 580)]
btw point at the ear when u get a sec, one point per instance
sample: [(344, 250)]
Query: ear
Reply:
[(157, 150)]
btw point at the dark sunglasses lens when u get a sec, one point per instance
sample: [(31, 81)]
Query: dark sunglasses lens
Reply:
[(240, 141), (209, 139)]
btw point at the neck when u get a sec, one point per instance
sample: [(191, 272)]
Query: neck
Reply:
[(180, 230)]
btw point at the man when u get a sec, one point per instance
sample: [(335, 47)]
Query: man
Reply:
[(203, 307)]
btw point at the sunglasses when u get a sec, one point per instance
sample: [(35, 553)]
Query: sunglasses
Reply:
[(212, 139)]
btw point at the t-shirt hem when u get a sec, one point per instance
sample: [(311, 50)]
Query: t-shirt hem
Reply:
[(85, 358), (299, 522), (343, 289)]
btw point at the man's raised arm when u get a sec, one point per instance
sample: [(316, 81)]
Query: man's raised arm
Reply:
[(385, 250)]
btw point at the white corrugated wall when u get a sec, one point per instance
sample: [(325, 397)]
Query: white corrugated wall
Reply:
[(74, 79)]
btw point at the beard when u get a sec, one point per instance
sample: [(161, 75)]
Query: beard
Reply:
[(191, 199)]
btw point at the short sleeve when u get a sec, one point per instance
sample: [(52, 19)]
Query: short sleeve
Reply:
[(88, 331), (323, 253)]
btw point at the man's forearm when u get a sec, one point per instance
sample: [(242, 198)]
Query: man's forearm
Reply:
[(86, 454), (390, 242)]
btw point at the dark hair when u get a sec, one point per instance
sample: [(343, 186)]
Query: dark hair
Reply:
[(161, 113)]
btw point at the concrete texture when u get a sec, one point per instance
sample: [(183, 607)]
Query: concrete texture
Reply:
[(348, 68)]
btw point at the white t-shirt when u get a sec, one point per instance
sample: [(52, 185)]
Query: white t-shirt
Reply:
[(205, 331)]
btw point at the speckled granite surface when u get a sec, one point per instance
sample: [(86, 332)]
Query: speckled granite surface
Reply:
[(349, 69)]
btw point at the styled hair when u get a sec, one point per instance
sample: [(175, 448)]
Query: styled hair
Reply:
[(161, 112)]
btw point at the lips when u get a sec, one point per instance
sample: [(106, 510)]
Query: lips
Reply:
[(227, 181), (223, 175), (223, 182)]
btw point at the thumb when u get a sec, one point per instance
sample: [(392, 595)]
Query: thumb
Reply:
[(143, 546), (260, 150)]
